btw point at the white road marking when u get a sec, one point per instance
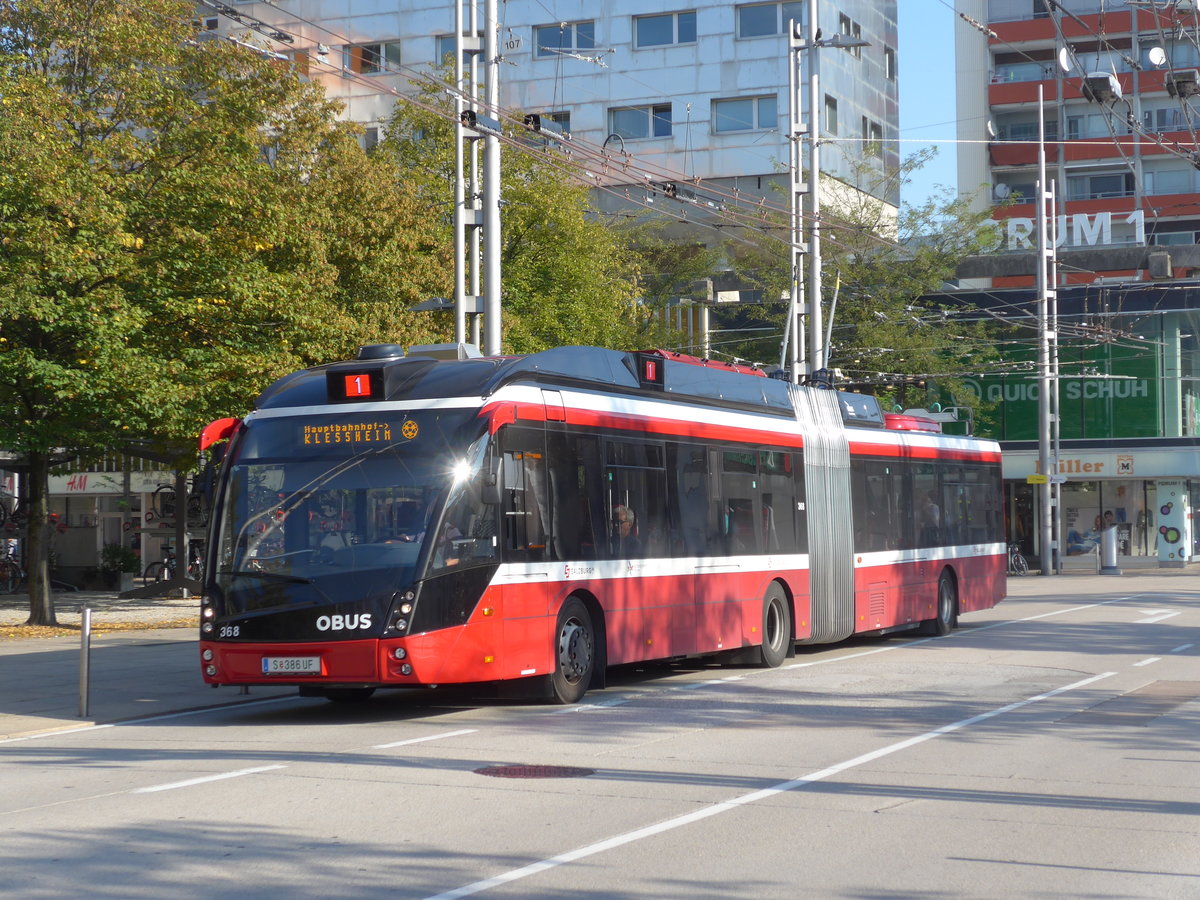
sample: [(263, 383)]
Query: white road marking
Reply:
[(421, 740), (205, 779), (753, 797), (1183, 647), (1156, 618), (1146, 662)]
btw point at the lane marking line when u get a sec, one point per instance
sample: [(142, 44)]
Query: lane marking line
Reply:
[(753, 797), (1183, 647), (421, 740), (204, 779), (1146, 662), (125, 723), (1154, 619)]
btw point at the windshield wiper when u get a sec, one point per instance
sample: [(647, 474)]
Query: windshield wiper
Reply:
[(274, 576)]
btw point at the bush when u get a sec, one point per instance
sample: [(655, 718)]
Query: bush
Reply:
[(117, 558)]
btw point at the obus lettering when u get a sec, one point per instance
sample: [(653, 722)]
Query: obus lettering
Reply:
[(343, 623)]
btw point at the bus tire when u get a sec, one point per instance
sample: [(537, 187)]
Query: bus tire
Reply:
[(776, 627), (947, 608), (574, 652)]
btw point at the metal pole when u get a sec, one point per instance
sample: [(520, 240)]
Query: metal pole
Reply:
[(460, 188), (1055, 410), (816, 351), (793, 335), (1045, 505), (474, 191), (491, 187), (85, 659)]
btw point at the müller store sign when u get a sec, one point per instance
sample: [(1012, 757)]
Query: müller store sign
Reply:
[(1096, 465)]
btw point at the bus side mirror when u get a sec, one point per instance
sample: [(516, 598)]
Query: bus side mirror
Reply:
[(489, 481)]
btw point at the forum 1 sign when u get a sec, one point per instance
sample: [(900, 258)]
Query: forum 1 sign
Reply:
[(1079, 230)]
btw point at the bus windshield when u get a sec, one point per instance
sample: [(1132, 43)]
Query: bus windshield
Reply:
[(331, 509)]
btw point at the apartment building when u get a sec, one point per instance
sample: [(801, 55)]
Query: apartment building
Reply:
[(1118, 82), (696, 93)]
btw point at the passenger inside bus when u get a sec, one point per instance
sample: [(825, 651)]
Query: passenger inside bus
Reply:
[(626, 544)]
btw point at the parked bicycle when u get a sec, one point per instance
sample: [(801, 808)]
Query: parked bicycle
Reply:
[(164, 569), (1017, 564), (13, 515), (11, 574), (163, 505)]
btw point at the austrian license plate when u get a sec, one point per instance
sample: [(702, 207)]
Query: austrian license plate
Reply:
[(288, 665)]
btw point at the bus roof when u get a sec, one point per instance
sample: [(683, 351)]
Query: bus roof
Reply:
[(418, 377)]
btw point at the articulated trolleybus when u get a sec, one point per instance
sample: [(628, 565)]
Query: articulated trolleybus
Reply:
[(408, 519)]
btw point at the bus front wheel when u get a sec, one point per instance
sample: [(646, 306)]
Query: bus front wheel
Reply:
[(776, 627), (574, 652)]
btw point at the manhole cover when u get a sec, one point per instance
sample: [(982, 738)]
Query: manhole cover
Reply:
[(534, 771)]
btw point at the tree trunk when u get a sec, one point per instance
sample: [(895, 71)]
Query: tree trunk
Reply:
[(37, 541)]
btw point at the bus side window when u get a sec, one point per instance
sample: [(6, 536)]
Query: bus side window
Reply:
[(569, 458), (525, 502), (689, 506), (741, 523)]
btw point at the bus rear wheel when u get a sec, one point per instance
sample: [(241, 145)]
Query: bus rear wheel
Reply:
[(776, 627), (574, 652), (947, 608)]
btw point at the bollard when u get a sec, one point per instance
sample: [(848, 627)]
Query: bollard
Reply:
[(1108, 552), (85, 659)]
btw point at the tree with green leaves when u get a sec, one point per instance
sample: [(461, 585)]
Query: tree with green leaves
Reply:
[(568, 278), (174, 235), (880, 268)]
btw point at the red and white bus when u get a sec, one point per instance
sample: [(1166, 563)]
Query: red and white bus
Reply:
[(405, 519)]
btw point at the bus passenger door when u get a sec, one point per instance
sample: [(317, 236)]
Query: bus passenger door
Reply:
[(528, 619), (728, 520)]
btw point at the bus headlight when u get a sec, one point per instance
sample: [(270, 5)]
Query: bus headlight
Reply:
[(406, 669), (207, 655), (207, 627), (400, 624), (210, 670), (400, 653)]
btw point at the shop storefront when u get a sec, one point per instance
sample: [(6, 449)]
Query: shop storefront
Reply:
[(1148, 490)]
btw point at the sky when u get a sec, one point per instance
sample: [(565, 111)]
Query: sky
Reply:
[(927, 101)]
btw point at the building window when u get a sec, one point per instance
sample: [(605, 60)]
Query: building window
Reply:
[(831, 116), (889, 63), (758, 19), (445, 48), (565, 36), (370, 138), (372, 59), (852, 30), (658, 31), (1170, 119), (745, 114), (1174, 238), (632, 122), (872, 138), (1169, 180), (1099, 185)]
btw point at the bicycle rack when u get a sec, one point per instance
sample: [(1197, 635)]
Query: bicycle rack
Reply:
[(179, 581)]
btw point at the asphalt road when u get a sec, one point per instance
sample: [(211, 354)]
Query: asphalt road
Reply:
[(1049, 748)]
